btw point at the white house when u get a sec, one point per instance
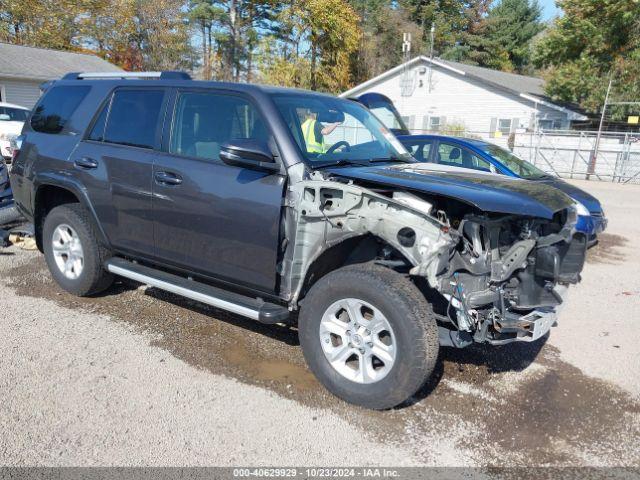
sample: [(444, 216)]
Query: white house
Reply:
[(23, 69), (431, 93)]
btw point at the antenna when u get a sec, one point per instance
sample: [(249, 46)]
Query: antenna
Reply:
[(407, 79), (406, 46), (433, 30)]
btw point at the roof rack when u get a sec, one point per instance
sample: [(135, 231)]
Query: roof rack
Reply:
[(167, 75)]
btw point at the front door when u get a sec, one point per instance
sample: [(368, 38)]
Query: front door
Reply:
[(210, 217)]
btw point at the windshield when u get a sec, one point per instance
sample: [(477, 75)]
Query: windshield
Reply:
[(9, 114), (331, 130), (518, 166)]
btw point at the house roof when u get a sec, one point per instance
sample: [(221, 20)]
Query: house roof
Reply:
[(529, 88), (19, 61), (510, 81)]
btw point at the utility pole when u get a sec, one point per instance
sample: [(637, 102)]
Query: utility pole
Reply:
[(433, 30), (594, 156)]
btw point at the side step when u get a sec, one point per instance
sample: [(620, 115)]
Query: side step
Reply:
[(253, 308)]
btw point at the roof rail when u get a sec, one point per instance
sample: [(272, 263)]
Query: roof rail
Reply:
[(167, 75)]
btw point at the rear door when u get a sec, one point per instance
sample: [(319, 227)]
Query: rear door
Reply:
[(115, 163), (212, 218)]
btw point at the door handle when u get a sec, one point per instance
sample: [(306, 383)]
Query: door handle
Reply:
[(86, 162), (168, 178)]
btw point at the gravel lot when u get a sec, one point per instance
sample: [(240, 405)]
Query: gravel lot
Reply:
[(140, 377)]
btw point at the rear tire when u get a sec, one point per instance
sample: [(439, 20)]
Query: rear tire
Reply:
[(386, 300), (77, 264)]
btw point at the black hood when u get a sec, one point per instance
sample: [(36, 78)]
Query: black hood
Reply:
[(488, 192), (588, 200)]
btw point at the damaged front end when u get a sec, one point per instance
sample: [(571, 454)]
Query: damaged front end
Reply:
[(506, 279), (493, 278)]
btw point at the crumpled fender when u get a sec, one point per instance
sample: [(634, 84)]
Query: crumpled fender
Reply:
[(325, 213)]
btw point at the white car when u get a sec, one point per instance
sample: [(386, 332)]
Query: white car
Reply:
[(12, 118)]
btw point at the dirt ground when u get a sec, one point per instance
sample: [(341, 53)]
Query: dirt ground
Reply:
[(137, 376)]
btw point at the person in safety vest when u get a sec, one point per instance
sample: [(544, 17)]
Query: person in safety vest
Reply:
[(314, 131)]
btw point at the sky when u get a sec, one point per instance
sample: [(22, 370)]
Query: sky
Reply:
[(549, 9)]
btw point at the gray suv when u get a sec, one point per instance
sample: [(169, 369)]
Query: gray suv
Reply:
[(288, 206)]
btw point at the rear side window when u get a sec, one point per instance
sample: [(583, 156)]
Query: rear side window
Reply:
[(133, 118), (13, 114), (57, 106)]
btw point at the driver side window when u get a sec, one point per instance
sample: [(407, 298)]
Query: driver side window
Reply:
[(420, 151), (456, 156), (205, 121)]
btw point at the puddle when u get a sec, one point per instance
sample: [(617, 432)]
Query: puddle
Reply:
[(608, 249), (517, 405), (271, 370)]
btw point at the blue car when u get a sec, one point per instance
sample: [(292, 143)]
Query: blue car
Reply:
[(484, 156)]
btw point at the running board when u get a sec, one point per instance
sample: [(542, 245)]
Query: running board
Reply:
[(254, 308)]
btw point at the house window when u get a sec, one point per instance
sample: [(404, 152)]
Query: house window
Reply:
[(504, 126), (549, 124), (434, 124), (545, 124)]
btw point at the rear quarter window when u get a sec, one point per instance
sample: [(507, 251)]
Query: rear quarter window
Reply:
[(56, 107)]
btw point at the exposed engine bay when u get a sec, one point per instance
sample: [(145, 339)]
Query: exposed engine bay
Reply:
[(490, 277)]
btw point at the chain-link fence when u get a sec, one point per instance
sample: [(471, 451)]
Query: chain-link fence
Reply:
[(570, 154)]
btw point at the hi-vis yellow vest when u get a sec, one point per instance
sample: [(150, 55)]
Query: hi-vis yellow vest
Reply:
[(309, 133)]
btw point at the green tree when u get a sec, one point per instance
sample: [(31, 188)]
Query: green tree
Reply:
[(230, 32), (41, 23), (382, 24), (313, 46), (203, 16), (453, 20), (138, 35), (593, 40), (511, 26), (499, 37), (135, 34)]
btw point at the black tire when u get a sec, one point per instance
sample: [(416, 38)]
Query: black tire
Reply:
[(410, 316), (93, 278)]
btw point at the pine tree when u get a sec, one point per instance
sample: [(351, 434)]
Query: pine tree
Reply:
[(593, 41), (499, 37), (512, 26)]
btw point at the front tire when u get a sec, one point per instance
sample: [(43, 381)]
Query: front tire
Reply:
[(368, 335), (73, 253)]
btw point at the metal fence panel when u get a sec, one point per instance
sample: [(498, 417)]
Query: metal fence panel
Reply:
[(569, 153)]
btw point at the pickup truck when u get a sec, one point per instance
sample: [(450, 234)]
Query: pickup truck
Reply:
[(289, 206)]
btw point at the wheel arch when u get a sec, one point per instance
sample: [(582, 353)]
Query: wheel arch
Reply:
[(51, 192), (350, 251)]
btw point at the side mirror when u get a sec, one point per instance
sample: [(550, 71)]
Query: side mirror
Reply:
[(4, 117), (247, 153)]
